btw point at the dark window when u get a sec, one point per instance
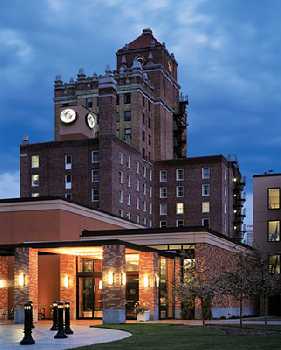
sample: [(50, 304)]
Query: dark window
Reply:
[(205, 222), (143, 153), (143, 118), (143, 136), (127, 116), (117, 99), (89, 102), (149, 105), (149, 122), (143, 100), (149, 140), (127, 99), (117, 117)]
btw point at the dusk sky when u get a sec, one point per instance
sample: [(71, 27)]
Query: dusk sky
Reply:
[(228, 53)]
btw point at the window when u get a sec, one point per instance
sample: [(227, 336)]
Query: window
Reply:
[(205, 173), (150, 175), (180, 208), (144, 206), (180, 191), (163, 192), (274, 263), (180, 223), (129, 162), (95, 156), (127, 116), (138, 185), (121, 177), (144, 221), (67, 162), (150, 208), (121, 196), (95, 175), (273, 195), (163, 176), (205, 190), (150, 192), (127, 99), (35, 162), (121, 213), (163, 208), (180, 174), (163, 224), (34, 194), (95, 194), (138, 167), (205, 222), (117, 99), (273, 230), (138, 219), (144, 188), (35, 180), (128, 135), (68, 182), (129, 199), (68, 196), (121, 157), (144, 171), (149, 140), (205, 207), (89, 102), (143, 136), (149, 122), (129, 180), (143, 118), (138, 203)]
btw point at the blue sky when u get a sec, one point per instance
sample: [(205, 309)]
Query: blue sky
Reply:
[(229, 64)]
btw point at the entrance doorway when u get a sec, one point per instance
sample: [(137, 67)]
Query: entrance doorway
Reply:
[(132, 294), (89, 288)]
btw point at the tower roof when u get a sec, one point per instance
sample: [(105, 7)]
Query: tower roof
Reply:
[(146, 39)]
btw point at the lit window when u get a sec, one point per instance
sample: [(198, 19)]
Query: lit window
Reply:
[(205, 173), (121, 196), (95, 194), (35, 180), (163, 208), (205, 222), (180, 208), (163, 192), (127, 116), (205, 190), (68, 182), (163, 224), (121, 177), (121, 155), (180, 191), (95, 156), (273, 230), (95, 175), (68, 162), (180, 174), (205, 207), (273, 198), (163, 176), (35, 194), (180, 223), (35, 162), (274, 263)]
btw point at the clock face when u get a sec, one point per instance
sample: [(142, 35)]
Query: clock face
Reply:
[(91, 120), (68, 116)]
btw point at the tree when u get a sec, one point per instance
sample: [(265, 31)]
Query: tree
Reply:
[(195, 284), (240, 281)]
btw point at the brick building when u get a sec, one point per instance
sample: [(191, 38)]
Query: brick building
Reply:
[(118, 134)]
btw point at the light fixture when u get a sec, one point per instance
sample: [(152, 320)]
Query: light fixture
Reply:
[(157, 280), (100, 284), (123, 278), (3, 284), (22, 280), (145, 281), (110, 278), (66, 281)]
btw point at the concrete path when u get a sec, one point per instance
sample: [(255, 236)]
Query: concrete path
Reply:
[(11, 335)]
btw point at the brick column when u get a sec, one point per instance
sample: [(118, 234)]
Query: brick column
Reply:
[(114, 292), (148, 289), (178, 276), (4, 304), (25, 281), (68, 282)]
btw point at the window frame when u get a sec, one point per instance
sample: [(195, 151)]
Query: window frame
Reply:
[(178, 171), (203, 173), (273, 188), (160, 175), (273, 241), (38, 161)]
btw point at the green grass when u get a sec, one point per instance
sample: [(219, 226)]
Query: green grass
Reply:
[(179, 337)]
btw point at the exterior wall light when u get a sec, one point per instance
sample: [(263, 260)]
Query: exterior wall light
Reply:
[(157, 280), (3, 284), (22, 280), (110, 278), (145, 281), (100, 284), (66, 281), (123, 278)]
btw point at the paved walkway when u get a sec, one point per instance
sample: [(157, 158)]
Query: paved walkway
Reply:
[(11, 335)]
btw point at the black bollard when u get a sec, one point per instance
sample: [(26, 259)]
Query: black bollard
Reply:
[(67, 328), (32, 322), (60, 334), (55, 317), (27, 339)]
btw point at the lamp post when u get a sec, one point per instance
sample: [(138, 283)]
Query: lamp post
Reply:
[(27, 339), (55, 317), (67, 328), (31, 304), (60, 334)]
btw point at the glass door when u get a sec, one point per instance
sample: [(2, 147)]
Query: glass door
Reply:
[(86, 297)]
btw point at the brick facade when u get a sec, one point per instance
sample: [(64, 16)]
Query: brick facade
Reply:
[(114, 296), (25, 270), (68, 281), (148, 289)]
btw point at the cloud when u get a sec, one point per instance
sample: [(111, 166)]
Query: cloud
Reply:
[(9, 185), (13, 41)]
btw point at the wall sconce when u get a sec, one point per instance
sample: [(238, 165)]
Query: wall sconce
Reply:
[(3, 284), (66, 281), (22, 280), (123, 278), (100, 284), (110, 278), (145, 281), (157, 280)]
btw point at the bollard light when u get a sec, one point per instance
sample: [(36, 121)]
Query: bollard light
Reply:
[(60, 334), (55, 317), (67, 328), (31, 305), (27, 339)]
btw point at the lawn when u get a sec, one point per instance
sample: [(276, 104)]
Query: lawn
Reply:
[(179, 337)]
